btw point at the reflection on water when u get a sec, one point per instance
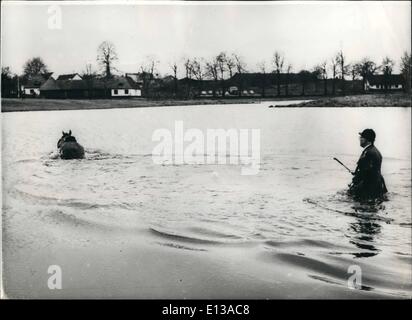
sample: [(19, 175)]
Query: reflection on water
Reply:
[(362, 236), (363, 230), (365, 224)]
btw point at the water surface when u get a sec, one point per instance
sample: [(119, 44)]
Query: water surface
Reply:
[(294, 211)]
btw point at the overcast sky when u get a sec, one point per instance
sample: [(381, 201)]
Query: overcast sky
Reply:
[(306, 33)]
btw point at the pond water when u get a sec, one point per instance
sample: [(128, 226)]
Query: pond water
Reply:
[(296, 202)]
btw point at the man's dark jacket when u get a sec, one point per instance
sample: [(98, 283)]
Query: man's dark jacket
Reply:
[(368, 182)]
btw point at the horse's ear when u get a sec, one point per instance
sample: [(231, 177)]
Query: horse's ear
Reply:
[(62, 132), (70, 132)]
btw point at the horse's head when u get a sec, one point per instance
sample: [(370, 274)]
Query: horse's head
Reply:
[(66, 137)]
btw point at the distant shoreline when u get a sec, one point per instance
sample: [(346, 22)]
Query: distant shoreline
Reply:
[(38, 104), (357, 101), (354, 101)]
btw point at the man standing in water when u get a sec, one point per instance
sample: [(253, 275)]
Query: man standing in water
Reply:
[(368, 183)]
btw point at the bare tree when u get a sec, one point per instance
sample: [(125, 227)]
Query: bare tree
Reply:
[(406, 62), (353, 72), (342, 67), (174, 70), (188, 68), (278, 61), (150, 66), (221, 63), (288, 72), (222, 67), (240, 69), (6, 72), (190, 73), (305, 76), (89, 75), (322, 70), (9, 83), (334, 68), (197, 69), (365, 68), (88, 72), (262, 68), (149, 72), (106, 56), (317, 77), (230, 64), (34, 66), (239, 63), (387, 67), (213, 72)]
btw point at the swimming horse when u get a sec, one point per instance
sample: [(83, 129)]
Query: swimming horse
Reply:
[(69, 148)]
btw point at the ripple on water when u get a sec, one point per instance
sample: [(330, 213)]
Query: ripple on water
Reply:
[(200, 208)]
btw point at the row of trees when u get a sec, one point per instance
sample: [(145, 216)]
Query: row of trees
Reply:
[(224, 65)]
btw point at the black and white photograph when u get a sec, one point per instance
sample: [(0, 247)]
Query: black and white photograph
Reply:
[(206, 150)]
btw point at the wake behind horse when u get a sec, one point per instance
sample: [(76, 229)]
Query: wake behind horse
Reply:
[(69, 148)]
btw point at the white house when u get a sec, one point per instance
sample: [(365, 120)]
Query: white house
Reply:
[(31, 90), (126, 92), (31, 87), (124, 87)]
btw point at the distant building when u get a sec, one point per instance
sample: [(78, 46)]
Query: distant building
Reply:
[(71, 87), (380, 82), (233, 90), (31, 85), (255, 79), (71, 76), (202, 88), (137, 77), (124, 87), (63, 89), (168, 79)]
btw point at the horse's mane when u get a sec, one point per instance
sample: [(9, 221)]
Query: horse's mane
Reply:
[(69, 139)]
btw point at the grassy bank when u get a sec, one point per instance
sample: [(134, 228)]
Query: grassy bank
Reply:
[(358, 101), (10, 105), (367, 100)]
